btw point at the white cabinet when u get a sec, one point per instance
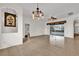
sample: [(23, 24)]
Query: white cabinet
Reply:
[(57, 41)]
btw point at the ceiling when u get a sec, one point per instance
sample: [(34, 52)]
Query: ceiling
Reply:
[(59, 10)]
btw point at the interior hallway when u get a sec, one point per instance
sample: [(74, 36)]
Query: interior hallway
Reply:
[(40, 46)]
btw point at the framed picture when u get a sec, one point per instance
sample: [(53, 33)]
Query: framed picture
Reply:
[(10, 20)]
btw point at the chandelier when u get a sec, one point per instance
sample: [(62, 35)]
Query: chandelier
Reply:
[(38, 14)]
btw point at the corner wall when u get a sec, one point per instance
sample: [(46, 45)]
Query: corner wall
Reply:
[(36, 27), (70, 26)]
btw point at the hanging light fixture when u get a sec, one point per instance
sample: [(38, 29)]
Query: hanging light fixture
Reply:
[(36, 15)]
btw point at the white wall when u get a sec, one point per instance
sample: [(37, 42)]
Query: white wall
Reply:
[(36, 27), (12, 39), (69, 28)]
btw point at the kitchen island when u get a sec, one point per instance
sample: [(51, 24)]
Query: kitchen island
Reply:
[(57, 33)]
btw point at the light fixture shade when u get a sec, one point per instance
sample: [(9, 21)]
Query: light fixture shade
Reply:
[(36, 15)]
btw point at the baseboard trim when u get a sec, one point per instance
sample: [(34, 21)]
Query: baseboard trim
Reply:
[(38, 36)]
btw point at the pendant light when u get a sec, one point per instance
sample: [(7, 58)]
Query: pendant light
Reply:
[(38, 14)]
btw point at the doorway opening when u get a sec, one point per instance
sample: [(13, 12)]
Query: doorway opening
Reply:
[(26, 32), (76, 28)]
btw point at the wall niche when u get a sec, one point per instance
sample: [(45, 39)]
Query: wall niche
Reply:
[(9, 20)]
